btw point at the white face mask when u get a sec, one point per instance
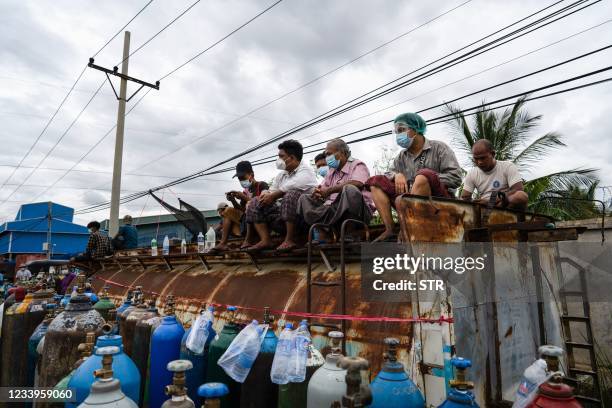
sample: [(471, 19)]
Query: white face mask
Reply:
[(90, 230), (280, 164)]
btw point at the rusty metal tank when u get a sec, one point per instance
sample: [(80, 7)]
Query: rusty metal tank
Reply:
[(144, 311), (65, 333), (142, 348)]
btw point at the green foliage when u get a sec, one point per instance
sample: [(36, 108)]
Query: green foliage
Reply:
[(510, 134)]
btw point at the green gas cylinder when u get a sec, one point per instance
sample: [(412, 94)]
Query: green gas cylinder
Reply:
[(215, 351), (104, 304)]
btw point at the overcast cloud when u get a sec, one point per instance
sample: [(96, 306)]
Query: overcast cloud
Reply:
[(45, 45)]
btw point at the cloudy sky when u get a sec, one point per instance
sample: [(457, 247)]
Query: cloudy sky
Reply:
[(196, 118)]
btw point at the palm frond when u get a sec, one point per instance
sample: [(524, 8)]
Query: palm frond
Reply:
[(538, 149), (562, 181)]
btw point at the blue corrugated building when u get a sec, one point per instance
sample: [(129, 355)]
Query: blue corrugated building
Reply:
[(29, 231)]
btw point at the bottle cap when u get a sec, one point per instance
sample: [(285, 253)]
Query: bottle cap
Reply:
[(288, 326)]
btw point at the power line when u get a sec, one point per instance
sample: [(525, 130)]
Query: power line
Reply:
[(543, 19), (430, 121), (66, 98), (304, 85)]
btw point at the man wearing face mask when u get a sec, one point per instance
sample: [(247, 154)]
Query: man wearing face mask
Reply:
[(423, 167), (277, 208), (240, 201), (340, 196), (98, 245), (321, 165)]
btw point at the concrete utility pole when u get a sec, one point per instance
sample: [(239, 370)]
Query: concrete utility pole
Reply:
[(116, 189), (113, 226)]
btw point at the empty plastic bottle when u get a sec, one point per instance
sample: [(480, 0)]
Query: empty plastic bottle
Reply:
[(153, 247), (211, 239), (198, 336), (299, 354), (533, 376), (282, 355), (200, 243), (242, 352), (166, 246), (183, 247)]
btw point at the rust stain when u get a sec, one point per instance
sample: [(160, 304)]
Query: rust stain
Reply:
[(508, 332)]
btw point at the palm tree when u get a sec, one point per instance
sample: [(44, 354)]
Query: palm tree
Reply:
[(510, 134)]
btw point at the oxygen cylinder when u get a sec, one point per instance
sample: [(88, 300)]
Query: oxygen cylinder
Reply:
[(197, 374), (126, 303), (33, 341), (85, 349), (392, 387), (460, 394), (555, 394), (258, 390), (328, 382), (212, 394), (138, 300), (131, 319), (22, 320), (124, 370), (177, 391), (165, 347), (64, 334), (293, 395), (104, 304), (217, 347), (106, 392), (142, 348)]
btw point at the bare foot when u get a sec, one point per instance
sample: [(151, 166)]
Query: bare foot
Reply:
[(221, 247), (246, 244), (286, 246), (260, 246)]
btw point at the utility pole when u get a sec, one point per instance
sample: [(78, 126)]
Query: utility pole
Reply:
[(116, 187)]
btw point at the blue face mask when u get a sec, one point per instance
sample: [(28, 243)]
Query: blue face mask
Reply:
[(245, 183), (403, 140), (332, 162), (322, 171)]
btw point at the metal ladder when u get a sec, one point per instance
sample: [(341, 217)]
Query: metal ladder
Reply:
[(572, 343), (341, 283)]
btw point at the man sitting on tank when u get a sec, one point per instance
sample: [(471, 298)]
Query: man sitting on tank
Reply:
[(276, 208), (341, 195), (98, 245), (423, 167), (493, 182), (234, 218)]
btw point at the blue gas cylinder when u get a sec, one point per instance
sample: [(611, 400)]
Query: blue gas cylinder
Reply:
[(392, 388), (33, 341), (65, 300), (460, 394), (165, 347), (126, 303), (123, 367), (197, 374)]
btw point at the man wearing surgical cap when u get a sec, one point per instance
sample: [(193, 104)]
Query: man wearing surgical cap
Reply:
[(423, 167)]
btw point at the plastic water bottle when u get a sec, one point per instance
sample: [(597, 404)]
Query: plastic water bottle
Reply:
[(75, 292), (211, 239), (200, 243), (166, 246), (183, 247), (533, 376), (282, 355), (242, 352), (200, 331), (153, 247), (299, 354)]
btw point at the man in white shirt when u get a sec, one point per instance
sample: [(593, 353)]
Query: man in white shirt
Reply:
[(493, 177), (23, 274), (276, 208)]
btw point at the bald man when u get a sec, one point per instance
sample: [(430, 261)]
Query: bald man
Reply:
[(492, 175)]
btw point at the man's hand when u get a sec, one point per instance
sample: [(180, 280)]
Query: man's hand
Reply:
[(318, 194), (266, 199), (401, 184)]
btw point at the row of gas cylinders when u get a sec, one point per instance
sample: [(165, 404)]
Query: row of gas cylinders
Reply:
[(69, 340)]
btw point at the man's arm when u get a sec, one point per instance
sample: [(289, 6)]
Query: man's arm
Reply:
[(450, 170), (468, 186)]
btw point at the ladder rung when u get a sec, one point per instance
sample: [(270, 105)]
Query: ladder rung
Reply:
[(578, 345), (323, 283), (580, 371), (576, 318)]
